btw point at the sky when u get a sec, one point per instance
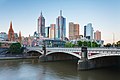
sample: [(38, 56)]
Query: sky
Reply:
[(103, 14)]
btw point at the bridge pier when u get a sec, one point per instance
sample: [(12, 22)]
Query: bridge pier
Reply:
[(43, 57), (84, 63)]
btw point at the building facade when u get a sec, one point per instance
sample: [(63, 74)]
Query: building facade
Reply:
[(88, 31), (20, 37), (73, 31), (60, 27), (11, 36), (47, 32), (3, 36), (54, 43), (97, 35), (52, 31), (41, 25)]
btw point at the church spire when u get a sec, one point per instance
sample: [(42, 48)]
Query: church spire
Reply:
[(11, 36), (11, 25)]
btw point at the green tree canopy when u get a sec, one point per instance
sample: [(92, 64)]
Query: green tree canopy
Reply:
[(108, 45), (94, 44), (69, 44), (89, 44), (85, 43), (118, 44), (79, 43), (15, 48)]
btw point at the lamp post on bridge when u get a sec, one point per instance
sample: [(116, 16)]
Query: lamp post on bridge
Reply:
[(44, 51), (44, 48), (84, 53)]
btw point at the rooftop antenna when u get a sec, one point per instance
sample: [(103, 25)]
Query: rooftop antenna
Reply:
[(113, 40), (60, 12), (41, 13)]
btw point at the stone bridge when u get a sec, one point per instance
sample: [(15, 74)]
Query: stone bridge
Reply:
[(92, 58)]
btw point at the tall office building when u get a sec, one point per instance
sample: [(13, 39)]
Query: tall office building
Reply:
[(41, 25), (11, 36), (3, 36), (47, 32), (88, 31), (73, 31), (97, 35), (52, 31), (60, 27)]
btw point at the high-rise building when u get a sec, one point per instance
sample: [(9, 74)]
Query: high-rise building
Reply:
[(3, 36), (60, 27), (97, 35), (85, 31), (52, 31), (41, 25), (88, 31), (11, 36), (73, 31), (47, 32)]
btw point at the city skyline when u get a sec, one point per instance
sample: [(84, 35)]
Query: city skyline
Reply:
[(24, 14)]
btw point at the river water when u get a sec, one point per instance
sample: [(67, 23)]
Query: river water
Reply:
[(33, 69)]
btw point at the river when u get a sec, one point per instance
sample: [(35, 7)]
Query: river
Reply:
[(33, 69)]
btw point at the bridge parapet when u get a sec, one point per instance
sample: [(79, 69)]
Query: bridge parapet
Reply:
[(101, 51), (103, 55), (64, 49)]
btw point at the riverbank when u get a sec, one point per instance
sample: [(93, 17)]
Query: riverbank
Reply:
[(18, 57)]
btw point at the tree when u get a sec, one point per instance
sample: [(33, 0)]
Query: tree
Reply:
[(85, 43), (118, 44), (15, 48), (79, 43), (69, 44), (108, 45), (94, 44), (89, 44)]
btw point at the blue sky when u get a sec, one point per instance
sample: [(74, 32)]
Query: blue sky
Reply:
[(103, 14)]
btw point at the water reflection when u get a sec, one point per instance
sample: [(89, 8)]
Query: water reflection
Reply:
[(33, 69)]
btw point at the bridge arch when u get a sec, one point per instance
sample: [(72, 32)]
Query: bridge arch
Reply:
[(104, 60), (56, 55), (34, 52)]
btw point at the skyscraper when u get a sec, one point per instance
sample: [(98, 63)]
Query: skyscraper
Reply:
[(73, 31), (47, 32), (11, 36), (3, 36), (52, 31), (88, 31), (41, 25), (60, 27), (97, 35)]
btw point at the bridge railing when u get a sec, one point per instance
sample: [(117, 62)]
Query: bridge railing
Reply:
[(103, 54), (90, 50), (64, 49)]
